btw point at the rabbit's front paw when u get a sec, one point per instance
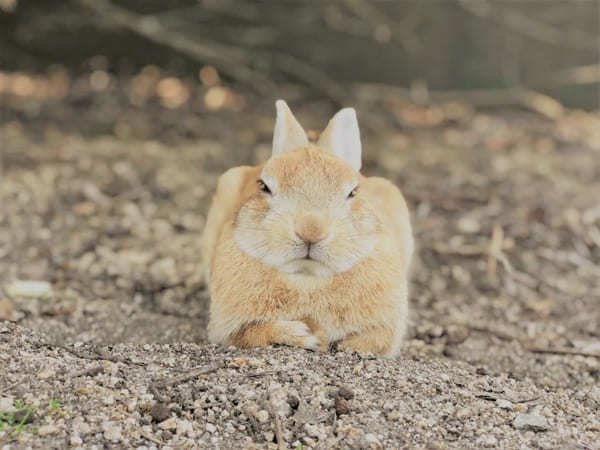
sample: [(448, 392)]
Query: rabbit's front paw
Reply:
[(297, 334)]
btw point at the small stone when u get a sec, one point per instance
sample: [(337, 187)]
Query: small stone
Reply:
[(45, 374), (278, 398), (468, 225), (184, 427), (169, 424), (75, 440), (7, 310), (488, 441), (394, 416), (345, 392), (530, 422), (160, 412), (504, 404), (314, 431), (456, 334), (109, 400), (341, 406), (372, 441), (29, 288), (164, 271), (210, 428), (464, 413), (293, 401), (262, 416), (6, 404), (112, 431), (46, 430), (25, 414), (269, 436)]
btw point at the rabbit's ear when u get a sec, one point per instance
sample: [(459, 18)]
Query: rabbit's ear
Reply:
[(288, 133), (342, 137)]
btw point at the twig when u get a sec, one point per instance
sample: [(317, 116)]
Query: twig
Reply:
[(485, 329), (513, 96), (89, 371), (232, 61), (560, 351), (151, 438), (229, 60), (527, 26), (188, 376), (100, 355), (575, 75), (278, 426)]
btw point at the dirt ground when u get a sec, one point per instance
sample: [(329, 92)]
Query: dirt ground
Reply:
[(106, 199)]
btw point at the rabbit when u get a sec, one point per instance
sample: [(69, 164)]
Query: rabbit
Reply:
[(305, 251)]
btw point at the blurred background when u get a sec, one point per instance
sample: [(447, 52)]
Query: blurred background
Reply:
[(200, 56), (118, 116)]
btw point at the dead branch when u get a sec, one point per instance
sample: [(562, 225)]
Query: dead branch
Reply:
[(151, 438), (230, 60), (383, 26), (515, 96), (526, 26), (195, 373), (561, 351), (278, 425), (579, 75)]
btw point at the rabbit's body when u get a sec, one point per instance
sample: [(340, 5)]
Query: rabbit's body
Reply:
[(308, 263)]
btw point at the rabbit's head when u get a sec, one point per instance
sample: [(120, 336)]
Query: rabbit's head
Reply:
[(305, 214)]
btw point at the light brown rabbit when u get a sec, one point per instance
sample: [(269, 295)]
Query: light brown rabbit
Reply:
[(304, 250)]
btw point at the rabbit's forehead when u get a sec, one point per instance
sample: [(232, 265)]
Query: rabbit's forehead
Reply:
[(309, 168)]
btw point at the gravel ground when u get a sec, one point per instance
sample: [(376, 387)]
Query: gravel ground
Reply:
[(504, 347)]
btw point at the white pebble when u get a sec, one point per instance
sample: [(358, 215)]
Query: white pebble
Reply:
[(29, 288)]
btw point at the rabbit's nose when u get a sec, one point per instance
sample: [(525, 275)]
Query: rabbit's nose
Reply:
[(311, 229)]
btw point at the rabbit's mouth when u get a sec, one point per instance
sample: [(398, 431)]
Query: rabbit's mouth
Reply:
[(307, 265)]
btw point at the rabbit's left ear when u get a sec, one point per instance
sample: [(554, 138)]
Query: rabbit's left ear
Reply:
[(342, 137)]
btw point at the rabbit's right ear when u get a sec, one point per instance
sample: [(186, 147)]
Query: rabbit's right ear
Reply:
[(288, 133)]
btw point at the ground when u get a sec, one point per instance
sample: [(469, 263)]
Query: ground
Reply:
[(105, 200)]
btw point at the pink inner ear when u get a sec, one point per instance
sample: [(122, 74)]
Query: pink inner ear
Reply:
[(288, 133), (342, 137)]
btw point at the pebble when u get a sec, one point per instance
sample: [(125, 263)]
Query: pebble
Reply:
[(372, 441), (341, 406), (160, 412), (262, 416), (530, 422), (279, 400), (184, 427), (504, 404), (164, 271), (45, 430), (314, 431), (345, 392), (29, 288), (112, 431), (75, 440), (6, 404), (468, 225), (463, 413), (489, 441), (45, 374), (210, 428), (169, 424)]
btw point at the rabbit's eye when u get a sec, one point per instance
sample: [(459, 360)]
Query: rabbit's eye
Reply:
[(263, 186), (353, 192)]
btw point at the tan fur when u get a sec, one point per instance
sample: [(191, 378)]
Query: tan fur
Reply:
[(355, 295)]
